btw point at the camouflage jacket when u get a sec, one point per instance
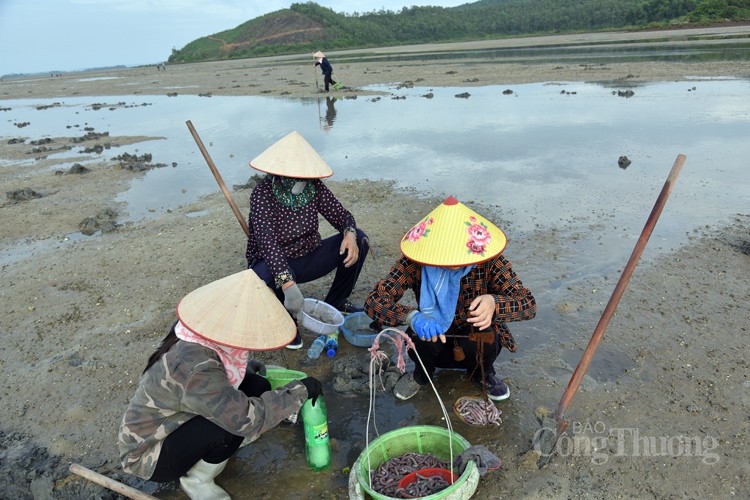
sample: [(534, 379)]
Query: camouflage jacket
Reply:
[(186, 381)]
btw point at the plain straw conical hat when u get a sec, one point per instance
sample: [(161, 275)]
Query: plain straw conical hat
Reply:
[(318, 55), (238, 311), (453, 235), (292, 156)]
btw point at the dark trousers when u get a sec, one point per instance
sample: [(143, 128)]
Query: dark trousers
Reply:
[(201, 439), (438, 355), (319, 263), (328, 80)]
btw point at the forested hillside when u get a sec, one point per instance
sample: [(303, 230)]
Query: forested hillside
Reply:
[(306, 27)]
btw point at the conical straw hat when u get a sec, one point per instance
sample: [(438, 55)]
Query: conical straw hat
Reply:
[(238, 311), (453, 235), (318, 55), (292, 156)]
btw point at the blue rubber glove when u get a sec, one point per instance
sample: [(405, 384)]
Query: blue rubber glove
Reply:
[(424, 326)]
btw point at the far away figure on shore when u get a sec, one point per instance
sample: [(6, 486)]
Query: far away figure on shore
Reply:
[(326, 68)]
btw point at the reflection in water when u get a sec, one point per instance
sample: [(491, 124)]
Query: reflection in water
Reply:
[(330, 113), (540, 157)]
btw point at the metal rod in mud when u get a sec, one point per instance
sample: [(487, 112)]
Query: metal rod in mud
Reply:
[(110, 484), (577, 377), (217, 176)]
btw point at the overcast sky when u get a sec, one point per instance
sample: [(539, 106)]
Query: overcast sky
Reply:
[(65, 35)]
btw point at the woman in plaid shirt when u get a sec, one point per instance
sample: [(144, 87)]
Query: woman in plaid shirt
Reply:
[(463, 285)]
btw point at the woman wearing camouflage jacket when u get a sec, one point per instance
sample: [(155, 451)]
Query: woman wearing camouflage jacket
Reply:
[(200, 397)]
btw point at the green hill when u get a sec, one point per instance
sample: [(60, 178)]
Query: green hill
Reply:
[(306, 27)]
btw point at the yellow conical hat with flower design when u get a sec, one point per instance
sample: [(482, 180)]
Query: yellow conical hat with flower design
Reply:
[(453, 235)]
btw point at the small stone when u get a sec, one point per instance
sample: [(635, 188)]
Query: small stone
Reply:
[(541, 412)]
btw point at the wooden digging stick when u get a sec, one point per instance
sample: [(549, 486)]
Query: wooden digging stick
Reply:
[(218, 178), (583, 365), (110, 484)]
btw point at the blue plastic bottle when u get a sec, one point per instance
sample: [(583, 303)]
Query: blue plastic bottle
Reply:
[(332, 344), (317, 347)]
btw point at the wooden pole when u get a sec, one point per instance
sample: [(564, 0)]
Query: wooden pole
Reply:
[(583, 365), (217, 176), (320, 118), (315, 71), (110, 484)]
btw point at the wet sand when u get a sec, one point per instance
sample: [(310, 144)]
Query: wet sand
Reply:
[(81, 317)]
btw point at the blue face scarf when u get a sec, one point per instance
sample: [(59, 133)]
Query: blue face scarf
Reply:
[(439, 293)]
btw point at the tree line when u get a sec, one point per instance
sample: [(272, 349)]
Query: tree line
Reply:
[(306, 26)]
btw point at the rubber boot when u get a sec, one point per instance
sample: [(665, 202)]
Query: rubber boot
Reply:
[(199, 484)]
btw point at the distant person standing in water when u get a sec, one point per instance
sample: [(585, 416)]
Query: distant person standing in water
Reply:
[(326, 68)]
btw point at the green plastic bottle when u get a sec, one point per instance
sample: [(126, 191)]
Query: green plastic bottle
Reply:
[(317, 442)]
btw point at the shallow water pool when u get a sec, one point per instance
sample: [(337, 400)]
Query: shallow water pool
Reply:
[(544, 155), (541, 158), (536, 157)]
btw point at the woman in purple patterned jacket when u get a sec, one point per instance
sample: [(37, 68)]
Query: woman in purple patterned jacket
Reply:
[(284, 246)]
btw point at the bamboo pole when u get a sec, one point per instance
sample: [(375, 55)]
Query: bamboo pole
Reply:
[(583, 365), (110, 484), (217, 176)]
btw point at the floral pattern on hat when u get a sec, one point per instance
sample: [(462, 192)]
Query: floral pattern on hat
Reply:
[(458, 237), (420, 230), (479, 236)]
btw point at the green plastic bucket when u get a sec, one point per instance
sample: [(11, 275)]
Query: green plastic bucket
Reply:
[(281, 376), (421, 439)]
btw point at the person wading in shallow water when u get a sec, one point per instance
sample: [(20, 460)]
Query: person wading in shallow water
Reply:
[(201, 397), (326, 68), (284, 246), (466, 293)]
